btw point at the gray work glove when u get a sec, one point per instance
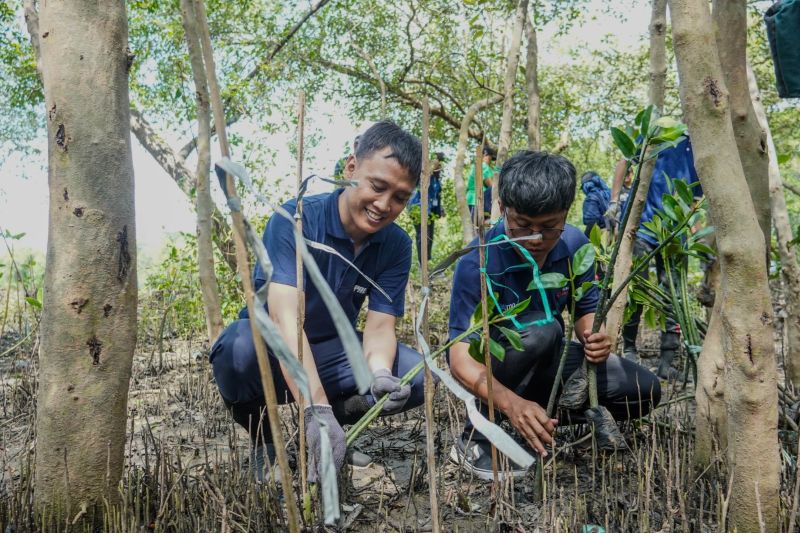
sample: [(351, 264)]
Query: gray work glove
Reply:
[(613, 211), (313, 441), (385, 383)]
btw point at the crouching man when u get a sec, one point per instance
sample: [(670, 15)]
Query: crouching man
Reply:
[(358, 223), (536, 192)]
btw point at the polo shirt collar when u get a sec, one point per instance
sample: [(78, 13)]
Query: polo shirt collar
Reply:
[(333, 222)]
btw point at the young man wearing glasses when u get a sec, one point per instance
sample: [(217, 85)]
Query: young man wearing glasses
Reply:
[(536, 192)]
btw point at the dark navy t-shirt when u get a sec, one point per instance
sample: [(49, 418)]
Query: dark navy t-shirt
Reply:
[(677, 164), (385, 257), (511, 274)]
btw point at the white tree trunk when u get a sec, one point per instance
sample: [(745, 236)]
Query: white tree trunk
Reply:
[(204, 204), (88, 328), (532, 85), (745, 308), (512, 63), (458, 168), (658, 73), (790, 271)]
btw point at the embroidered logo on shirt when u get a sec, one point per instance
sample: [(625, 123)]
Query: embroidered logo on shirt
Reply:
[(359, 289)]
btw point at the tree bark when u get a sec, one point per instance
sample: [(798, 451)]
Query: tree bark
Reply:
[(710, 430), (658, 74), (730, 23), (458, 168), (204, 204), (532, 85), (176, 166), (790, 271), (658, 52), (512, 62), (745, 308), (88, 328)]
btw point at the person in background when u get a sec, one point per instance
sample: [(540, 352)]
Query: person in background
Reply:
[(340, 171), (596, 200), (672, 164), (434, 204), (489, 172)]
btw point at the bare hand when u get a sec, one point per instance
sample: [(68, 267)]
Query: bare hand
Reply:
[(596, 346), (531, 421)]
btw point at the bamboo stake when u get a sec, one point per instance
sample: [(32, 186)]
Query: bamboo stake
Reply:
[(487, 356), (430, 390), (243, 267), (301, 300)]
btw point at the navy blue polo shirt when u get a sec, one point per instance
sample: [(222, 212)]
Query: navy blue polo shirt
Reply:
[(678, 164), (385, 257), (511, 274)]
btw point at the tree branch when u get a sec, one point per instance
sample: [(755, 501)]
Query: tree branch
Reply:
[(175, 165), (404, 96), (235, 115), (32, 22), (792, 188)]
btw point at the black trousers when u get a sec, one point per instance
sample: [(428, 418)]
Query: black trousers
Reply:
[(626, 388)]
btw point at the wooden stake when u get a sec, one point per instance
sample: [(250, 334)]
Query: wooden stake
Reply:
[(301, 300), (430, 390), (487, 356), (243, 267)]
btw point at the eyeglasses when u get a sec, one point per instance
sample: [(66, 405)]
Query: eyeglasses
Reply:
[(545, 234)]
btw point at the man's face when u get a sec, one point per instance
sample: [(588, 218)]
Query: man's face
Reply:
[(383, 190), (546, 230)]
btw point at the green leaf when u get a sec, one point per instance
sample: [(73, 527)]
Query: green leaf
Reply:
[(34, 302), (671, 208), (596, 237), (701, 248), (703, 232), (475, 350), (666, 122), (683, 191), (477, 314), (514, 338), (551, 280), (519, 307), (583, 259), (784, 158), (644, 125), (497, 350), (623, 142), (581, 291)]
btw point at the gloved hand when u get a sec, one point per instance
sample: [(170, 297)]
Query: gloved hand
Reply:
[(385, 383), (335, 433), (613, 211)]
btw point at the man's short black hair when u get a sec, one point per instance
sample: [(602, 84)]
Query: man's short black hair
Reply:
[(537, 183), (405, 147), (491, 152)]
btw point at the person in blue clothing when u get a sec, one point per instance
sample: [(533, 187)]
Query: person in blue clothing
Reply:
[(536, 192), (357, 222), (597, 196), (672, 164), (434, 204)]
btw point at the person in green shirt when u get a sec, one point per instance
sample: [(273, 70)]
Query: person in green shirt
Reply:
[(489, 172)]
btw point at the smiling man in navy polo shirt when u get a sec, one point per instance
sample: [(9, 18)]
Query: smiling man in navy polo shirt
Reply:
[(357, 222), (536, 192)]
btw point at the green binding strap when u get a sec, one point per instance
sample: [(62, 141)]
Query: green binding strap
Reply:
[(536, 279)]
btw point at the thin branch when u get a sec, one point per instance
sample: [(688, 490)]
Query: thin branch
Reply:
[(32, 22), (792, 188), (280, 45)]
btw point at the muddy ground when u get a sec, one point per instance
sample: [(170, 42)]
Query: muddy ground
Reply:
[(186, 462)]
